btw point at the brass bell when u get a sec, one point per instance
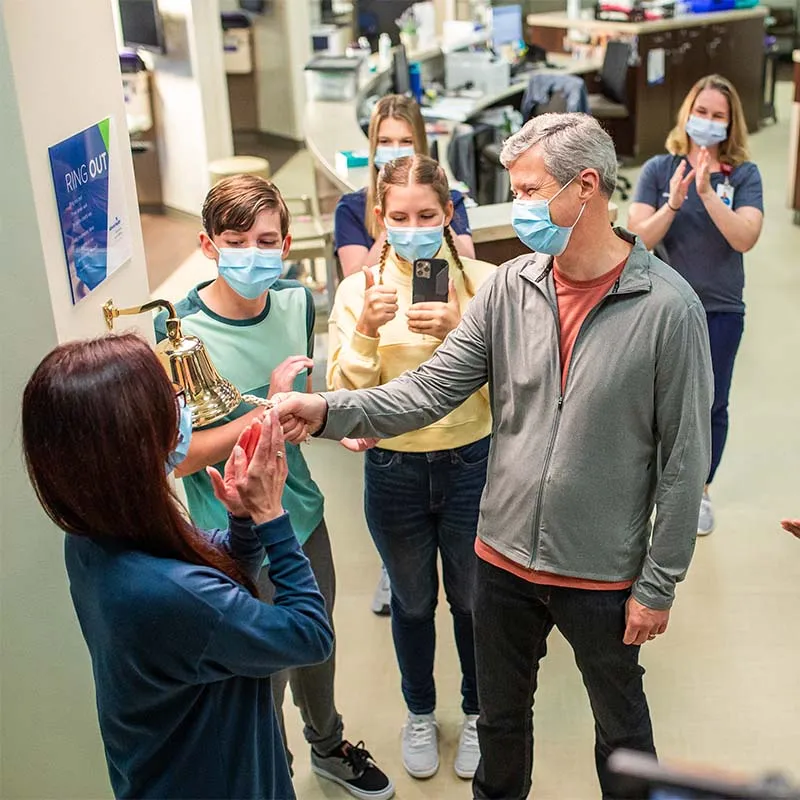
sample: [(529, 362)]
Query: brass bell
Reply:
[(185, 360)]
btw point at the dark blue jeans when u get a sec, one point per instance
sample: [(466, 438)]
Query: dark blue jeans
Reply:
[(725, 331), (420, 506), (513, 618)]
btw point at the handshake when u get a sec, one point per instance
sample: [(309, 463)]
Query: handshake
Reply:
[(302, 415)]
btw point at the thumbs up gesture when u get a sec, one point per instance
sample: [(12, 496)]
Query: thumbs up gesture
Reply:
[(380, 306), (435, 319)]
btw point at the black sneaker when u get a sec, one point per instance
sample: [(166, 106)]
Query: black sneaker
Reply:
[(354, 770)]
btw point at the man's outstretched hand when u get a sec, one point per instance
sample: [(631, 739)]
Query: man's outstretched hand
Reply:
[(300, 414)]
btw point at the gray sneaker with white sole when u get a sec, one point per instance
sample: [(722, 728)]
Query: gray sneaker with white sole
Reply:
[(353, 768)]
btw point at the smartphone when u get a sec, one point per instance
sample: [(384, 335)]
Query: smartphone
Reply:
[(430, 280)]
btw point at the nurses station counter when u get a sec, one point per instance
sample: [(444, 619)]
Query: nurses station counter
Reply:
[(331, 127), (669, 56)]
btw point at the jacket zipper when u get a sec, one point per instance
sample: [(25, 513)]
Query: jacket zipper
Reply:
[(537, 518), (556, 422)]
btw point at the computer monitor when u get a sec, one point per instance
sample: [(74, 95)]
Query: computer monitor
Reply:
[(402, 82), (506, 26), (374, 17), (141, 24)]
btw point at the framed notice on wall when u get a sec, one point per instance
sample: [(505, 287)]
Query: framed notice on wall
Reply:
[(90, 196)]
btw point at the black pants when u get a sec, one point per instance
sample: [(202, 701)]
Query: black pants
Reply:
[(312, 687), (513, 618)]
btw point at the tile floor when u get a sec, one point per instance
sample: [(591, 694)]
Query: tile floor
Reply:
[(724, 683)]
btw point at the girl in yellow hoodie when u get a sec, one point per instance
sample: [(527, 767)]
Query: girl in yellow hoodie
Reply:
[(422, 489)]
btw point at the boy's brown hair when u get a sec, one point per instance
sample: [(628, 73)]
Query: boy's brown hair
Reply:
[(234, 203)]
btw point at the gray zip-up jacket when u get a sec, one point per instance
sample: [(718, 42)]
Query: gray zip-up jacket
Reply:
[(573, 478)]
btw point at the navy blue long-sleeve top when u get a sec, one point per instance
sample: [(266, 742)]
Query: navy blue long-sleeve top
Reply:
[(182, 655)]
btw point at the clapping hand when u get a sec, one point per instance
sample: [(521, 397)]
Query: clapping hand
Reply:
[(792, 526), (702, 176), (435, 319), (679, 185), (255, 473)]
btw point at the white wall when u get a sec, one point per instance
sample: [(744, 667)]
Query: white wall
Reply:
[(59, 74), (282, 44), (192, 113)]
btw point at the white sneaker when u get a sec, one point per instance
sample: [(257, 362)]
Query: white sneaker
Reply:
[(469, 753), (421, 745), (383, 595), (705, 522)]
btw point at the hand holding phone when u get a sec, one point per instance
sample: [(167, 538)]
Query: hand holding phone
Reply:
[(430, 280), (435, 311)]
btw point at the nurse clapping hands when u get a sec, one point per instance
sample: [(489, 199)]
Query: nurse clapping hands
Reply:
[(700, 208)]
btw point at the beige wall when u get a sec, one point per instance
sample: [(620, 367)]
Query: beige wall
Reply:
[(59, 74)]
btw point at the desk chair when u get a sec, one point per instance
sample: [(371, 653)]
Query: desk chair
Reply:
[(490, 153), (543, 87), (610, 103)]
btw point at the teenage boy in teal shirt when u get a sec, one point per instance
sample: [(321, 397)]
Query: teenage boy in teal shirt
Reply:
[(259, 333)]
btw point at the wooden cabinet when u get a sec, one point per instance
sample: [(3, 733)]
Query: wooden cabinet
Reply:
[(728, 43), (687, 61), (736, 51), (652, 109)]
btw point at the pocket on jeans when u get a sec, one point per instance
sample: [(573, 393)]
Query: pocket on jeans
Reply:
[(379, 458), (475, 454)]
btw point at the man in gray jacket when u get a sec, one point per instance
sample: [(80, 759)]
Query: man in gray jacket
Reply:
[(598, 364)]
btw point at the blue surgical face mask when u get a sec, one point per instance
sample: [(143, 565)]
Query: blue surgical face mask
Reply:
[(249, 271), (534, 227), (706, 132), (386, 153), (414, 243), (90, 266), (184, 437)]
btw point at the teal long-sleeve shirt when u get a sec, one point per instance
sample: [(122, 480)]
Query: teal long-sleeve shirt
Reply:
[(182, 655)]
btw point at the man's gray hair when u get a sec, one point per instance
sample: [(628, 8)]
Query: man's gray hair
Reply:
[(569, 143)]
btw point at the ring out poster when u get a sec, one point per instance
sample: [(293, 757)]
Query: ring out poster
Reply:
[(90, 196)]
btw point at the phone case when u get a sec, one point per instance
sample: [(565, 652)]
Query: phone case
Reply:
[(430, 280)]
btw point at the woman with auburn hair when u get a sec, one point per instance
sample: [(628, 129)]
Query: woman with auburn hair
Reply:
[(181, 646), (396, 129), (700, 207), (422, 489)]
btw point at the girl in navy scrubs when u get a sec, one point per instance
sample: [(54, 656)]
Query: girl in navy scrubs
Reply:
[(396, 129)]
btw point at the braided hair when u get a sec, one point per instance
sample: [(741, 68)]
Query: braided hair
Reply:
[(382, 261), (451, 244), (425, 171)]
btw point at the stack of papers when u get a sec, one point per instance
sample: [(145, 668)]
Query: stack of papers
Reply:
[(454, 108)]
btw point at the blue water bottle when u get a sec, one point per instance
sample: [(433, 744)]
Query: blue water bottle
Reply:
[(415, 80)]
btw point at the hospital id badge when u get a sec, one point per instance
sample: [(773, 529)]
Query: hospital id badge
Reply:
[(725, 193)]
